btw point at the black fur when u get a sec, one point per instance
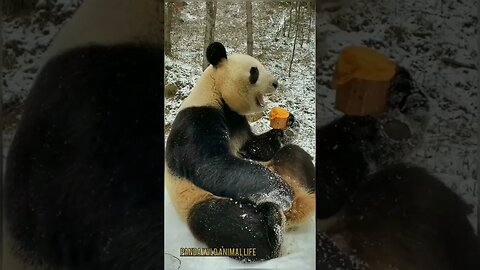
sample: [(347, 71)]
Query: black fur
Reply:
[(264, 146), (216, 52), (260, 147), (330, 257), (293, 160), (397, 215), (415, 211), (253, 75), (198, 149), (238, 225), (84, 174), (404, 88), (341, 160)]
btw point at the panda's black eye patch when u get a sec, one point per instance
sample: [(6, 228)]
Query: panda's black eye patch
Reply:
[(253, 75)]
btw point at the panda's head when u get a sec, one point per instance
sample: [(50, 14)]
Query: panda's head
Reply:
[(241, 80)]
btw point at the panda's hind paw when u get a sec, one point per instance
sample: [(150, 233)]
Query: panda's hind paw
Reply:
[(282, 198)]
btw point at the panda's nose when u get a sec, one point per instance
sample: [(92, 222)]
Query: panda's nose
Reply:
[(275, 84)]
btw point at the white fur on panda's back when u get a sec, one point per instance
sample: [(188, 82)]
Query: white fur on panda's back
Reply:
[(204, 92), (110, 22)]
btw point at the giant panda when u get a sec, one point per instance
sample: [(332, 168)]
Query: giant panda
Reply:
[(85, 170), (375, 210), (233, 188), (84, 176)]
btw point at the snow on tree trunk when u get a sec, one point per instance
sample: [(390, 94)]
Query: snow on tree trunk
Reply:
[(478, 125), (296, 37), (15, 7), (209, 29), (248, 5), (168, 27), (290, 18), (1, 102)]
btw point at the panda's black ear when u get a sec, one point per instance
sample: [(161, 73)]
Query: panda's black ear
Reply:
[(253, 75), (215, 53)]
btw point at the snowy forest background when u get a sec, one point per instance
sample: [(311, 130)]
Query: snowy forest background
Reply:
[(435, 39), (283, 36)]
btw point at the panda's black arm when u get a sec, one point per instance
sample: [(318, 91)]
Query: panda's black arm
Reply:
[(256, 147), (264, 146), (341, 162), (198, 149)]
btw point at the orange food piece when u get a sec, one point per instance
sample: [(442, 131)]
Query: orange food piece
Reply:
[(362, 80), (279, 118), (278, 112), (363, 63)]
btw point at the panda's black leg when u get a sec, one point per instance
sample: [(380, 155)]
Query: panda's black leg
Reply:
[(234, 224), (264, 146), (411, 210), (341, 161), (347, 151), (295, 162)]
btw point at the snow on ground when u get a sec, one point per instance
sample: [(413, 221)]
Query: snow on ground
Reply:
[(423, 36)]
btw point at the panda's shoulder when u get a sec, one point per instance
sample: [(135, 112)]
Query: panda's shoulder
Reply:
[(209, 120), (104, 60)]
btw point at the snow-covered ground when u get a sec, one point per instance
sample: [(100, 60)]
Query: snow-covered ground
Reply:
[(423, 36)]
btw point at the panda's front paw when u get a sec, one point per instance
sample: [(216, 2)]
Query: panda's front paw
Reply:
[(416, 106), (402, 86), (292, 122), (277, 134), (282, 197), (293, 128), (407, 101), (405, 94), (281, 137)]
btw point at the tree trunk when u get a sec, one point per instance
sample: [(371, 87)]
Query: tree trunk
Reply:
[(290, 19), (478, 130), (311, 17), (16, 7), (284, 27), (168, 29), (209, 29), (248, 5), (302, 25), (2, 54), (296, 37)]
